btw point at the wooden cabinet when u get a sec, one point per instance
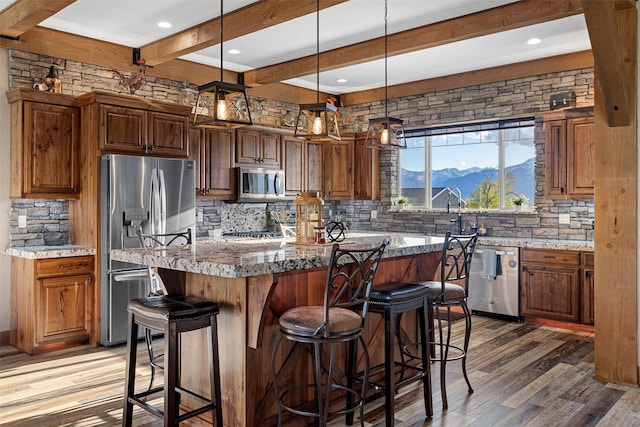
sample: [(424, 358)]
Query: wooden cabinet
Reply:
[(366, 180), (557, 285), (570, 153), (213, 151), (338, 170), (303, 163), (127, 125), (52, 302), (45, 138), (588, 282), (254, 146)]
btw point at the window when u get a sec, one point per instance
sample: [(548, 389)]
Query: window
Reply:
[(489, 162)]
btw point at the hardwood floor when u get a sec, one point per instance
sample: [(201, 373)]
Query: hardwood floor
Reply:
[(522, 374)]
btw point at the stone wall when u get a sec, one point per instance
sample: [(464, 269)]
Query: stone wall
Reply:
[(527, 96)]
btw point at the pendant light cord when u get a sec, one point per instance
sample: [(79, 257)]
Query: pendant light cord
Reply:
[(318, 51), (221, 39), (386, 98)]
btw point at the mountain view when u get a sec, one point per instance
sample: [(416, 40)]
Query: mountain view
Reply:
[(467, 180)]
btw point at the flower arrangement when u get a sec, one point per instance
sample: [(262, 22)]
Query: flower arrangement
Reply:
[(402, 201), (519, 199)]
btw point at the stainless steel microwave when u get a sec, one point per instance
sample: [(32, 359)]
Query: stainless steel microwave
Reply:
[(260, 184)]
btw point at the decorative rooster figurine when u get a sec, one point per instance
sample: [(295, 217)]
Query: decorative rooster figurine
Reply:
[(134, 81)]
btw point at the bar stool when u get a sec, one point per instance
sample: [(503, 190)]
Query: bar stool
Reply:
[(339, 320), (173, 315), (448, 292), (391, 300)]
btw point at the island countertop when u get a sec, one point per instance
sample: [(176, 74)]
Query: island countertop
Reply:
[(236, 258)]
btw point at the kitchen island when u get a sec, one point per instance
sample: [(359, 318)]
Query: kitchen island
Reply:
[(254, 281)]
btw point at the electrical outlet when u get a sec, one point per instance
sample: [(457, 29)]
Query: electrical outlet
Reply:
[(22, 221), (564, 218), (374, 214)]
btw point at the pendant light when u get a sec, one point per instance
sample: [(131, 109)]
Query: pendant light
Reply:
[(385, 133), (319, 121), (222, 105)]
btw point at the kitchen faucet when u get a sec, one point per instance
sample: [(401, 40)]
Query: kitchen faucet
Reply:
[(458, 219)]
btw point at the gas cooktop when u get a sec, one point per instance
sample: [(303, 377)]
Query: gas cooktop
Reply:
[(254, 234)]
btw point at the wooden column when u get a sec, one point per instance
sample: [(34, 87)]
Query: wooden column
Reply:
[(616, 190)]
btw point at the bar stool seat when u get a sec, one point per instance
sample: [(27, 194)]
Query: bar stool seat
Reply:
[(173, 315)]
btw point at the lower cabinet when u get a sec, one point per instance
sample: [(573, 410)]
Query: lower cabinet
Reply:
[(52, 302), (587, 288), (553, 285)]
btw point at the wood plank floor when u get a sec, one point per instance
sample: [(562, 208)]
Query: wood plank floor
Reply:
[(523, 375)]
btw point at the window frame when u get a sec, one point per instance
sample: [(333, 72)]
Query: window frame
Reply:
[(501, 125)]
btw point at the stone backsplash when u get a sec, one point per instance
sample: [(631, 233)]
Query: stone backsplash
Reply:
[(48, 220)]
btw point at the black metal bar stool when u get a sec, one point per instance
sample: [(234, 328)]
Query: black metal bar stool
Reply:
[(391, 300), (339, 320), (173, 315)]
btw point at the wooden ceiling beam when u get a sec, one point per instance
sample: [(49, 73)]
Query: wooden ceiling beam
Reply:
[(611, 63), (571, 61), (254, 17), (503, 18), (24, 15)]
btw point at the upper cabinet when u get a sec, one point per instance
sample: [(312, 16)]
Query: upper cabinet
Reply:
[(303, 164), (45, 137), (338, 169), (570, 153), (257, 147), (130, 125), (213, 151), (366, 180)]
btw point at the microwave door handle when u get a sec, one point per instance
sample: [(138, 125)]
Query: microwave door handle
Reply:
[(276, 184)]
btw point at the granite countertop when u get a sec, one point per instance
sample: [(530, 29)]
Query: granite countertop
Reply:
[(246, 257), (237, 257), (41, 252)]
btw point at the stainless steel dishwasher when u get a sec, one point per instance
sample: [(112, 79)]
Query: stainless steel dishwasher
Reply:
[(499, 296)]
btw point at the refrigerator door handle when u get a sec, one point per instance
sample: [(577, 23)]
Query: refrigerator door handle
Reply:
[(154, 204), (162, 189)]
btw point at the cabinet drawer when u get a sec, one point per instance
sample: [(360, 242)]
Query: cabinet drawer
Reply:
[(64, 266), (551, 257), (587, 259)]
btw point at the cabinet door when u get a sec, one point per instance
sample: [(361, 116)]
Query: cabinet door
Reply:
[(64, 308), (269, 149), (588, 290), (314, 166), (366, 180), (51, 144), (220, 178), (123, 130), (339, 170), (196, 153), (551, 292), (293, 163), (556, 158), (580, 156), (167, 134), (247, 146)]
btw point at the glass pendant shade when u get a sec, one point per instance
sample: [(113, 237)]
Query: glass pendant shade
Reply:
[(386, 133), (318, 122), (222, 105)]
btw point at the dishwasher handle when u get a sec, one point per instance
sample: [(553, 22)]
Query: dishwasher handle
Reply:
[(479, 251)]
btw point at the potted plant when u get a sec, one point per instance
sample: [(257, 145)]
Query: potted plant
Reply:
[(402, 202), (518, 200)]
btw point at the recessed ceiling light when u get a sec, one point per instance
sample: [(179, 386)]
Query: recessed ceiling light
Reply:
[(233, 51), (534, 41), (341, 80), (164, 24)]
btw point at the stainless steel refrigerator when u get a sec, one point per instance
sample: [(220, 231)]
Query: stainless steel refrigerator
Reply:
[(154, 195)]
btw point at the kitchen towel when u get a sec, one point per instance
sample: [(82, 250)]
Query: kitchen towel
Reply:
[(489, 263)]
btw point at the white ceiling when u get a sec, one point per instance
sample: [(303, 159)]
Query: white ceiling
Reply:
[(133, 23)]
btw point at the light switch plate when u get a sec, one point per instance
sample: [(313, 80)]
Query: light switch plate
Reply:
[(200, 216), (22, 221), (564, 218), (374, 214)]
